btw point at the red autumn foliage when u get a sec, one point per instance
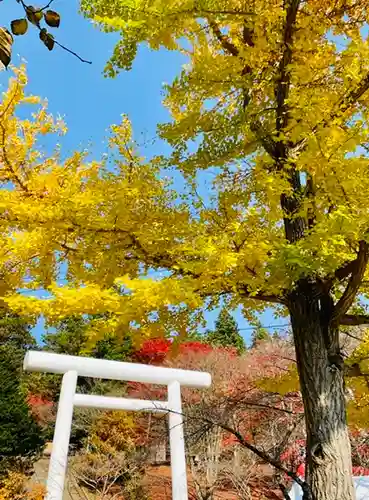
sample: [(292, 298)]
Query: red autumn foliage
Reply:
[(156, 351), (41, 408), (162, 351), (234, 387), (153, 351)]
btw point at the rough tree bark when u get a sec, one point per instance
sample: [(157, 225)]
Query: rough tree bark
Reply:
[(320, 367)]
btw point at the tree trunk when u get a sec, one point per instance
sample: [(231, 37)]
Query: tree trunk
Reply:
[(320, 368)]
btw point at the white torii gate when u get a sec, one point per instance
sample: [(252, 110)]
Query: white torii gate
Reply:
[(73, 366)]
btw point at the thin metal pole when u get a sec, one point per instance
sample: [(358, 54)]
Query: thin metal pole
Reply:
[(177, 445), (63, 424)]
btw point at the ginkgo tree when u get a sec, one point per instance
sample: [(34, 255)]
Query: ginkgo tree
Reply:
[(275, 97), (273, 109)]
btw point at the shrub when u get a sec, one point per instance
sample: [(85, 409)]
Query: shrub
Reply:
[(109, 474), (14, 487)]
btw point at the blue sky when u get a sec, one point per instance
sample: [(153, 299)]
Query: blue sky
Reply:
[(89, 102)]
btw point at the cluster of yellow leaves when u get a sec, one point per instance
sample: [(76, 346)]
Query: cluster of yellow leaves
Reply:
[(107, 227), (358, 406), (15, 487), (132, 248), (360, 355), (113, 432), (235, 48), (146, 256), (283, 383)]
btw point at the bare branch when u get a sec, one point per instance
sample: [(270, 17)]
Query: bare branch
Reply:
[(72, 52), (340, 274), (354, 319), (348, 296), (275, 462), (344, 271), (284, 491), (264, 456)]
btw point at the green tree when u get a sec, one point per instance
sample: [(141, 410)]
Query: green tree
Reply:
[(21, 439), (276, 335), (71, 337), (111, 348), (259, 334), (15, 331), (226, 332)]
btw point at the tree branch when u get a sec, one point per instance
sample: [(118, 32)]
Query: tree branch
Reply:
[(263, 296), (165, 260), (354, 319), (276, 463), (282, 86), (284, 491), (340, 274), (13, 175), (266, 140), (345, 270), (348, 296), (72, 52), (247, 35), (264, 456), (231, 48), (55, 41), (227, 45), (294, 224)]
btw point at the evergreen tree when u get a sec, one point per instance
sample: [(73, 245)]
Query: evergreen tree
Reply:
[(20, 436), (260, 334), (276, 335), (226, 332), (72, 334), (69, 337), (197, 336), (15, 331), (111, 348)]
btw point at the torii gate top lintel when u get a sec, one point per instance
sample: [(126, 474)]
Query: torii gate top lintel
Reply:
[(113, 370)]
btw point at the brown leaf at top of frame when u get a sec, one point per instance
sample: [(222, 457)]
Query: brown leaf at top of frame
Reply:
[(19, 26), (47, 39), (52, 19), (34, 15), (6, 42)]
